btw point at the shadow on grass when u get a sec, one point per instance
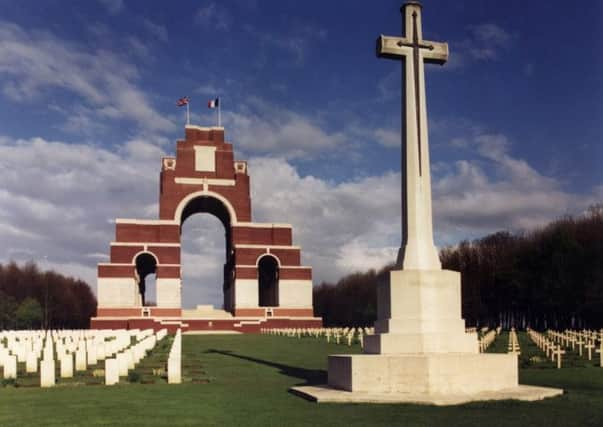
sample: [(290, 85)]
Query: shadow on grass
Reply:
[(310, 376)]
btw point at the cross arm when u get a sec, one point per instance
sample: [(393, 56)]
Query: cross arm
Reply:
[(392, 47), (396, 47), (437, 53)]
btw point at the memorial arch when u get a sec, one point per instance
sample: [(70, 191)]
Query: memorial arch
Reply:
[(264, 281)]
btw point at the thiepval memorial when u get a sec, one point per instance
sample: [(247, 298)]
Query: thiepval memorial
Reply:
[(264, 283), (420, 351)]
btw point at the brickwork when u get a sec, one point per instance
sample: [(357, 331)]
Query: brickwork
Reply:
[(203, 176)]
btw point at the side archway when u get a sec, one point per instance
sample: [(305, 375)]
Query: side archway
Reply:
[(268, 278), (146, 263)]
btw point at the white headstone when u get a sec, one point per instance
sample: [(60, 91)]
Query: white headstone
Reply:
[(111, 372), (10, 367), (122, 362), (47, 374), (80, 359), (31, 364), (67, 366)]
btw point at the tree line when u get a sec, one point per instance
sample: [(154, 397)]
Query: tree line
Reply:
[(32, 299), (550, 277)]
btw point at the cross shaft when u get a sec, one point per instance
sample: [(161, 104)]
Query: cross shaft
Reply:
[(418, 250)]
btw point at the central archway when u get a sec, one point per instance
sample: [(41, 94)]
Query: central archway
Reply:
[(207, 204)]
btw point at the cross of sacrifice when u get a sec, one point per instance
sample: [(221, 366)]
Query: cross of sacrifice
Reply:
[(418, 251)]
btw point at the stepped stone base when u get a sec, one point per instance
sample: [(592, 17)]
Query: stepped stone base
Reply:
[(324, 394), (423, 373), (205, 312), (436, 378)]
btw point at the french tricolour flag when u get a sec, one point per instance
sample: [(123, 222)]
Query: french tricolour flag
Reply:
[(214, 103)]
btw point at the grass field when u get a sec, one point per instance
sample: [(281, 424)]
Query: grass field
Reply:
[(243, 380)]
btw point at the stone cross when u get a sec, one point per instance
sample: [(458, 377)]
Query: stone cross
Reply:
[(579, 342), (589, 346), (558, 352), (418, 251)]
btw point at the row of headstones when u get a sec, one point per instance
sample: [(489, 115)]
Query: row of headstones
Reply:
[(487, 338), (174, 364), (345, 335), (87, 346), (129, 357), (513, 346), (552, 350), (585, 341)]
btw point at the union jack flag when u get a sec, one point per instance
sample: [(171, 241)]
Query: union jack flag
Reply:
[(183, 101)]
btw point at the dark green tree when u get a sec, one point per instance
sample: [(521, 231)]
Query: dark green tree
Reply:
[(29, 314)]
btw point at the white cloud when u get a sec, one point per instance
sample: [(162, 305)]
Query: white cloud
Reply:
[(486, 41), (261, 128), (498, 191), (113, 6), (213, 16), (59, 200), (295, 43), (32, 61), (388, 137), (155, 29)]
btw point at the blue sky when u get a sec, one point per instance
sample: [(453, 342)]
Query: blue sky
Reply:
[(87, 108)]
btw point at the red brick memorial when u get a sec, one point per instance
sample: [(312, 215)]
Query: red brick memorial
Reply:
[(264, 284)]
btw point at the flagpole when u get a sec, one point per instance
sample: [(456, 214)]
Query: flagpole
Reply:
[(188, 116), (219, 112)]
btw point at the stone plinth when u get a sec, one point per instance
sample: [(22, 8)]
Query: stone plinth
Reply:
[(436, 373), (324, 394), (419, 311)]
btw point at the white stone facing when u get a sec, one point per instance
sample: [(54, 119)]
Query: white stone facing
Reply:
[(420, 311), (246, 293), (295, 293), (324, 394), (169, 293), (205, 158), (454, 373), (117, 292)]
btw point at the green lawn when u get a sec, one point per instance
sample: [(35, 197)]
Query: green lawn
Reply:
[(244, 380)]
